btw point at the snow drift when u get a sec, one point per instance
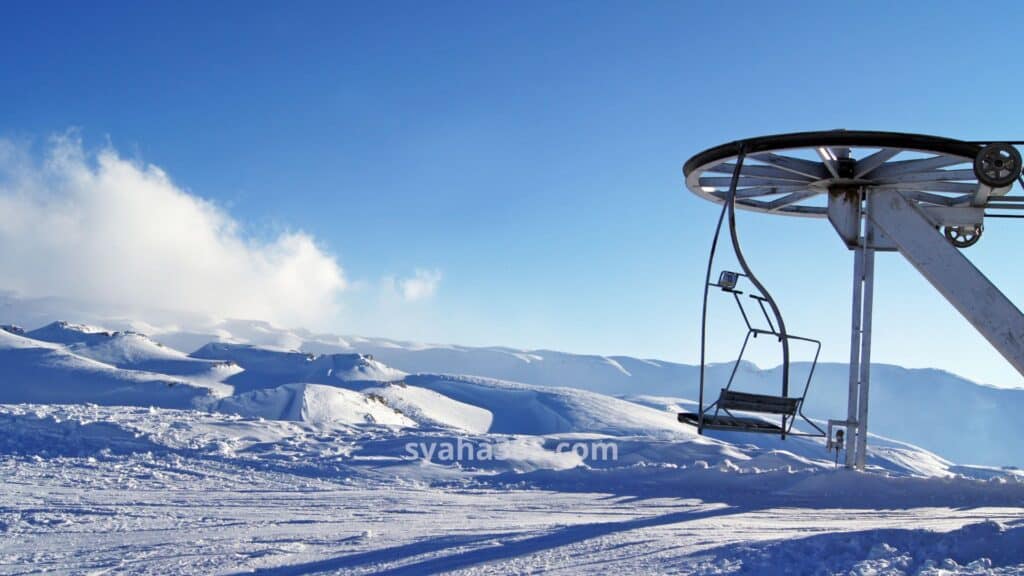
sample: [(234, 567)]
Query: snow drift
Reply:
[(314, 404)]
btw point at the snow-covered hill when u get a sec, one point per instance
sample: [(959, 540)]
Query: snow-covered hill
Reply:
[(269, 366), (433, 409), (77, 364), (329, 459), (315, 404), (960, 419), (132, 351), (37, 371), (937, 410), (907, 404)]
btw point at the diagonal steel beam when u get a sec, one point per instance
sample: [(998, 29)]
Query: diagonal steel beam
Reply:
[(991, 313)]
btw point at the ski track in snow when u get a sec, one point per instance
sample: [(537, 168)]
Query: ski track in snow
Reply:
[(139, 491)]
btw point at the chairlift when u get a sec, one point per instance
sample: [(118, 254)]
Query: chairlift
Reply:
[(722, 414), (924, 197)]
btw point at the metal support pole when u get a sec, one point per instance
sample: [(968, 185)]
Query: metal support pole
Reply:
[(865, 358), (851, 406)]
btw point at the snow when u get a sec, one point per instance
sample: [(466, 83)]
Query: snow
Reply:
[(37, 371), (906, 403), (139, 490), (63, 332), (525, 409), (138, 352), (266, 366), (430, 408), (122, 455), (315, 404)]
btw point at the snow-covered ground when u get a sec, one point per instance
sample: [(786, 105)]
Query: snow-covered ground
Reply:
[(122, 455)]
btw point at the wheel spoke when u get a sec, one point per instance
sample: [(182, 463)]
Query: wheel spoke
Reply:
[(954, 187), (756, 191), (791, 198), (828, 158), (726, 181), (759, 204), (840, 151), (765, 171), (869, 163), (805, 210), (916, 165), (808, 168), (930, 176)]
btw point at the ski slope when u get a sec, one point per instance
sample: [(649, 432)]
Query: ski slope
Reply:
[(139, 490)]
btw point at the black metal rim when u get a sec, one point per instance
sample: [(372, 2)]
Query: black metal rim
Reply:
[(864, 138)]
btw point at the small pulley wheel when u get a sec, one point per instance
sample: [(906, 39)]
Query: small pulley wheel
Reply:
[(997, 165), (963, 236)]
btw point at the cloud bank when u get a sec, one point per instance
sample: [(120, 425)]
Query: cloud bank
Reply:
[(420, 286), (123, 237)]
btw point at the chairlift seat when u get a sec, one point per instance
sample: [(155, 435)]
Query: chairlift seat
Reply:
[(728, 422), (746, 402)]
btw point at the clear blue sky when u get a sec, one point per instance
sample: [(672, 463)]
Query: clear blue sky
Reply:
[(531, 151)]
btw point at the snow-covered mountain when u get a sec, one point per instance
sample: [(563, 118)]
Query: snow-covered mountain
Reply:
[(937, 410), (274, 451), (36, 371), (269, 366), (73, 363), (131, 351)]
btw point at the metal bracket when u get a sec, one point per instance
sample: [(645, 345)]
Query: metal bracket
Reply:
[(954, 215), (844, 213), (830, 443), (985, 191)]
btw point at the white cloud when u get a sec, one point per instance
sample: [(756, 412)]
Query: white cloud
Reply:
[(421, 286), (123, 237)]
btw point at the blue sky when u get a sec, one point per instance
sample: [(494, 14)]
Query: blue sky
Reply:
[(528, 154)]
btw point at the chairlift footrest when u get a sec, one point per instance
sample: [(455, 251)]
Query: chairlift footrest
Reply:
[(725, 422)]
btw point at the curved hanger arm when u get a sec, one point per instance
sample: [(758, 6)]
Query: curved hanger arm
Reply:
[(707, 282), (731, 205)]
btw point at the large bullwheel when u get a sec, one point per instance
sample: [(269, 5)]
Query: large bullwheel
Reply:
[(791, 173)]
